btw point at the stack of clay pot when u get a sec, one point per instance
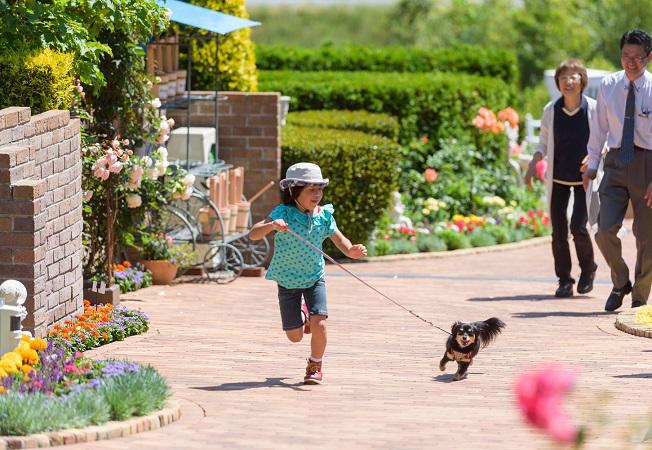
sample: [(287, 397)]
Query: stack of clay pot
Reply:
[(225, 190), (163, 61)]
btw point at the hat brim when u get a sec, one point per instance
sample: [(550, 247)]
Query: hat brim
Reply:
[(290, 182)]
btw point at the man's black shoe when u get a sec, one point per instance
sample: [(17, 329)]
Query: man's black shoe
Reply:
[(565, 289), (615, 299), (585, 283), (637, 303)]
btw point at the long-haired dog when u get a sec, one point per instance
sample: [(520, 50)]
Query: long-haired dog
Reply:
[(465, 342)]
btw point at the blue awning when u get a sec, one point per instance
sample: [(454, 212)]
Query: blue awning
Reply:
[(205, 18)]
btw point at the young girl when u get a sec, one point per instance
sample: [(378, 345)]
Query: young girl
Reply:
[(563, 139), (297, 268)]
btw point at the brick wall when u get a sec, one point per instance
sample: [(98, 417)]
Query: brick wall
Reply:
[(249, 135), (41, 212)]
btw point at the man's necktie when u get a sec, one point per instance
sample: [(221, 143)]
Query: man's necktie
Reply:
[(627, 142)]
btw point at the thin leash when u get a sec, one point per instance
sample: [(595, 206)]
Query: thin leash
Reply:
[(364, 282)]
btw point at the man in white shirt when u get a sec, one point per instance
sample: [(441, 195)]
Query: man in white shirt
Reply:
[(623, 119)]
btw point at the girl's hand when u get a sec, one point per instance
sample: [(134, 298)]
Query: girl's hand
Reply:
[(279, 225), (357, 251)]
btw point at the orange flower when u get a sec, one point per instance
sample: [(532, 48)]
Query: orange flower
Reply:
[(2, 389), (430, 175), (126, 263)]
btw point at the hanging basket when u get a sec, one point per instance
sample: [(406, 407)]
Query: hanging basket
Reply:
[(163, 272)]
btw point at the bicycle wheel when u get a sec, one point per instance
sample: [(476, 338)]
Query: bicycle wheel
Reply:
[(223, 263), (205, 214), (180, 227), (254, 253)]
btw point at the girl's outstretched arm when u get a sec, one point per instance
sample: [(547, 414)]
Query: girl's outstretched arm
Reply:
[(264, 227), (352, 251)]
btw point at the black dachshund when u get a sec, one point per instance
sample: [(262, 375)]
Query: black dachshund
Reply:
[(465, 342)]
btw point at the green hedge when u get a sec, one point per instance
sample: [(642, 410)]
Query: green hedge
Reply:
[(42, 81), (372, 123), (362, 168), (436, 105), (464, 58)]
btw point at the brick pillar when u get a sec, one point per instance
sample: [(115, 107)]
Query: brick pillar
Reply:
[(41, 213)]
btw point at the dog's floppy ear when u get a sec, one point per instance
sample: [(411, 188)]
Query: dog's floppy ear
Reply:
[(456, 326)]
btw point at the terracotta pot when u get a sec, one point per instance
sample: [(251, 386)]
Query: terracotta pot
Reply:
[(163, 272)]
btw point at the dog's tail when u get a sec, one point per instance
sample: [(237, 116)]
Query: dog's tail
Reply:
[(490, 329)]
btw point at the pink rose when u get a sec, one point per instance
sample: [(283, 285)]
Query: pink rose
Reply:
[(430, 175), (541, 168), (540, 395)]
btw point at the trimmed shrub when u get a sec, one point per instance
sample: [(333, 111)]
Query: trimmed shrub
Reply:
[(463, 58), (402, 247), (42, 81), (237, 58), (436, 105), (372, 123), (362, 168)]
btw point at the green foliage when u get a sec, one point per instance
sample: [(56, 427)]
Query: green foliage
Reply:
[(380, 247), (402, 247), (461, 58), (482, 238), (436, 105), (313, 25), (237, 59), (80, 27), (533, 99), (372, 123), (362, 169), (117, 398), (454, 239), (42, 80), (465, 175), (430, 243), (499, 233), (134, 394)]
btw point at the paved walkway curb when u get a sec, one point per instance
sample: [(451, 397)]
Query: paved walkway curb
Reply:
[(462, 252), (626, 322), (110, 430)]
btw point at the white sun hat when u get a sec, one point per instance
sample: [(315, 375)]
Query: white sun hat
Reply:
[(302, 174)]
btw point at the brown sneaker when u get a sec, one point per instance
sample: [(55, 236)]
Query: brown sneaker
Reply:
[(313, 373)]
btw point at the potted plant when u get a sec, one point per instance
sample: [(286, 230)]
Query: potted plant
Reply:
[(157, 257)]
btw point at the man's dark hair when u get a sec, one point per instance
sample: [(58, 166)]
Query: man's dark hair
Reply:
[(637, 37)]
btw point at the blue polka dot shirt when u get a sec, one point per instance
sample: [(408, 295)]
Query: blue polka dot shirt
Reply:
[(294, 264)]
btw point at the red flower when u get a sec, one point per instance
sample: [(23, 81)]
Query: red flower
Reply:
[(424, 139), (430, 175), (540, 396)]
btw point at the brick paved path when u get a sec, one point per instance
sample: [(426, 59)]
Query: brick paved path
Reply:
[(239, 379)]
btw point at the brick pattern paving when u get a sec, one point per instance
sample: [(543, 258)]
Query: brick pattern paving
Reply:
[(239, 380)]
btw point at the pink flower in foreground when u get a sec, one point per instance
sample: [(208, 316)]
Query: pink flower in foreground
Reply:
[(541, 168), (516, 150), (540, 395), (430, 175)]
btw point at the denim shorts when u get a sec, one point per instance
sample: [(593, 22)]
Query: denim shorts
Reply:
[(289, 301)]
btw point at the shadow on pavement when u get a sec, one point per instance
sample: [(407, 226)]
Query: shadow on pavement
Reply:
[(542, 314), (448, 377), (634, 375), (268, 383), (516, 298)]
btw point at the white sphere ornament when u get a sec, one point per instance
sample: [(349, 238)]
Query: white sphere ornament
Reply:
[(13, 292)]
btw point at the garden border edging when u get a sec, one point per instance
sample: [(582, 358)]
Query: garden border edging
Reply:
[(109, 430), (626, 322), (463, 251)]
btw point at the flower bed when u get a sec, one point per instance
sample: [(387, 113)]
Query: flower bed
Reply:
[(507, 225), (130, 278), (45, 386), (644, 315), (98, 325)]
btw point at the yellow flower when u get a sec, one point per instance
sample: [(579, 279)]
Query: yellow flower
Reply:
[(25, 338), (3, 373), (26, 368), (39, 344)]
